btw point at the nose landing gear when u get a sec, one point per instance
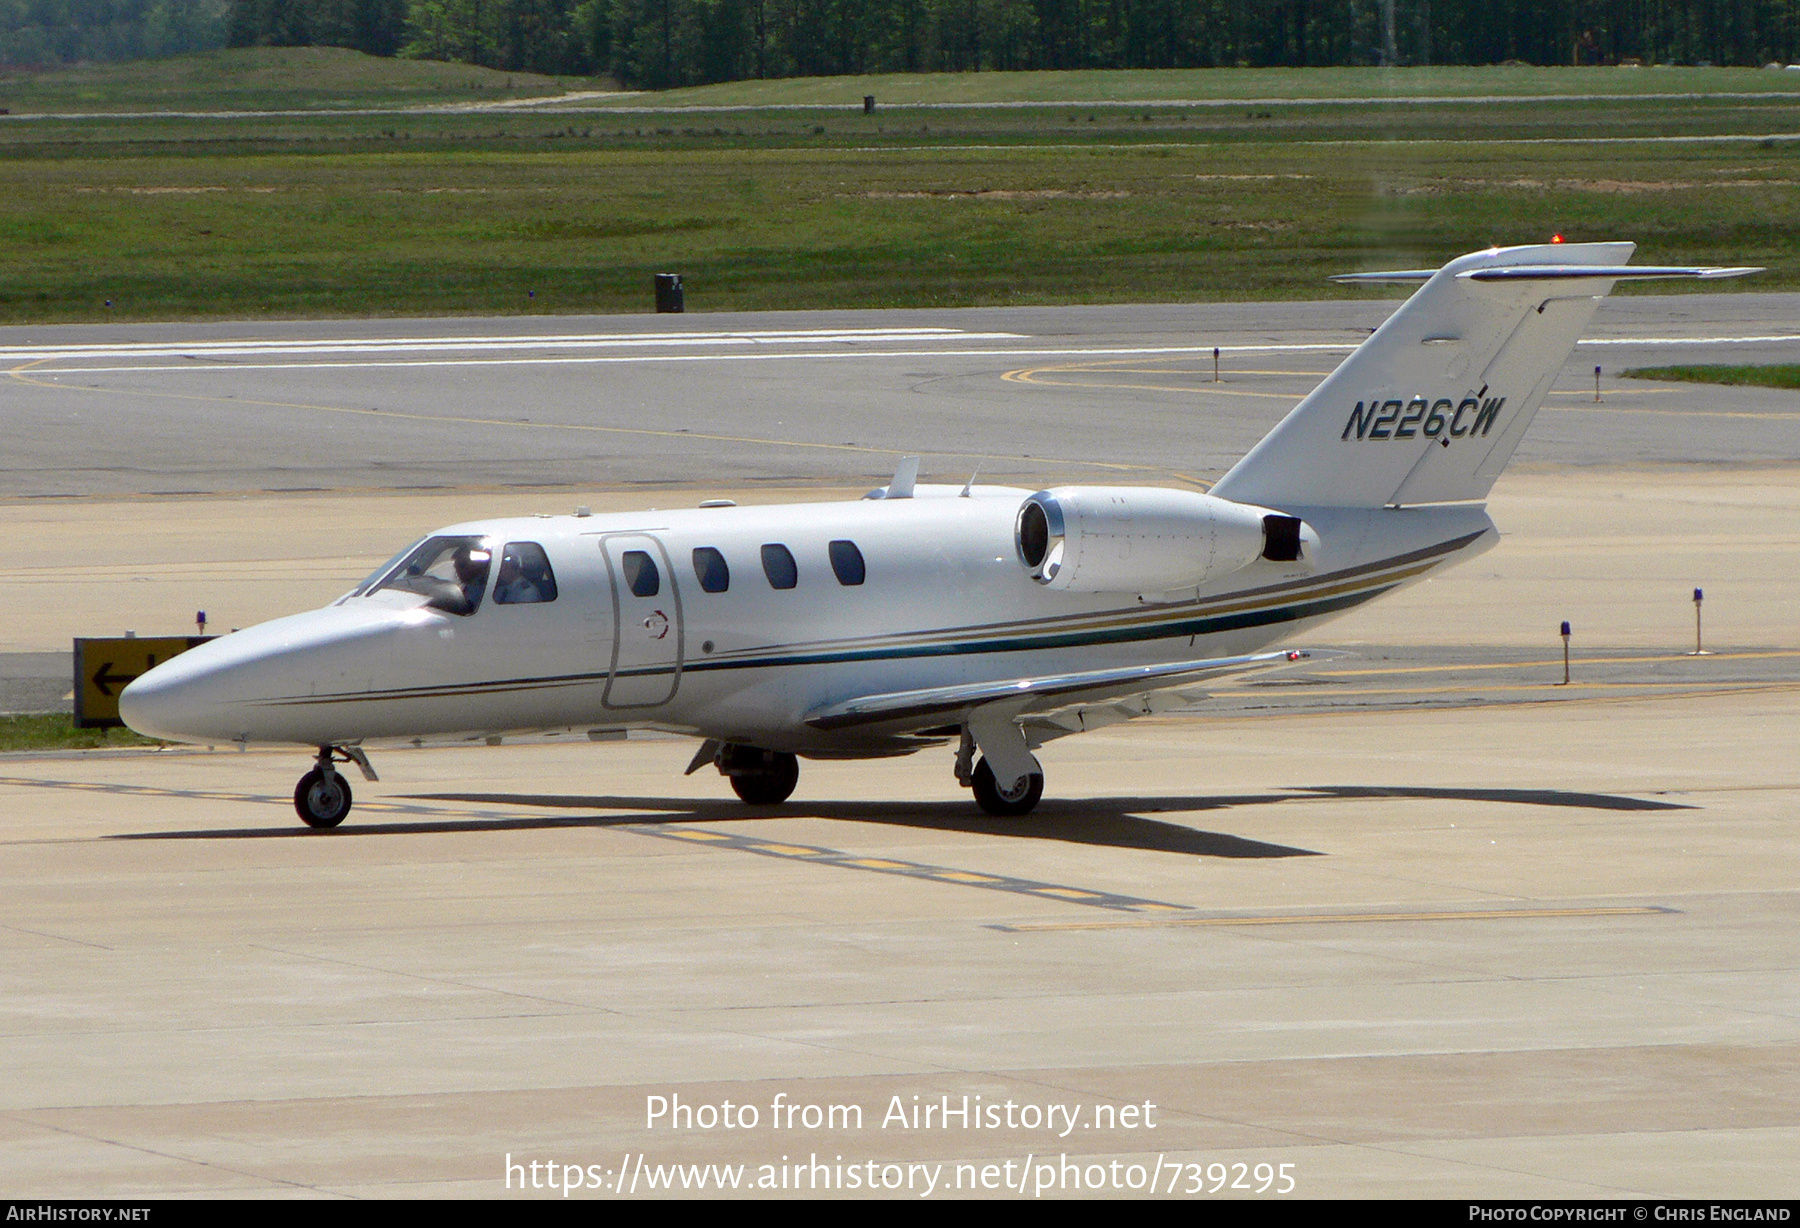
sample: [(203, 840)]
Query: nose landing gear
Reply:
[(322, 798)]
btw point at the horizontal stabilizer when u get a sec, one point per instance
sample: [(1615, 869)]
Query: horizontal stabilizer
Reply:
[(1398, 275), (1578, 272), (1546, 273), (934, 705)]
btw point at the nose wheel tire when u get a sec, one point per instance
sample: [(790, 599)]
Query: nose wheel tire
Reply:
[(771, 782), (321, 800), (988, 796)]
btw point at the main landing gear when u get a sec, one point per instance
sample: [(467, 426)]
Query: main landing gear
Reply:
[(1019, 797), (760, 777), (767, 777), (322, 798)]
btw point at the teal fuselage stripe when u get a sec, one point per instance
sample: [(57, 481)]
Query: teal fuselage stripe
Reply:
[(1212, 625)]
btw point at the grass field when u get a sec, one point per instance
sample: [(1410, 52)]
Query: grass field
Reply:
[(56, 731), (1144, 85), (441, 211), (1774, 375), (271, 78), (280, 78)]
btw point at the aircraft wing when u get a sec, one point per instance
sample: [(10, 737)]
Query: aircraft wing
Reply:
[(1051, 698)]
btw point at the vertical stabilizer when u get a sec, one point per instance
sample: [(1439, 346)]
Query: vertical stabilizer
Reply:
[(1430, 408)]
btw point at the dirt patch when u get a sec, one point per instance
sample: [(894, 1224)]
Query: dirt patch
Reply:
[(156, 191), (1622, 187), (1628, 186), (172, 191), (995, 194)]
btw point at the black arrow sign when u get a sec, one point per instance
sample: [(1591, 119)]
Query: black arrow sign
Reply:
[(121, 662), (104, 680)]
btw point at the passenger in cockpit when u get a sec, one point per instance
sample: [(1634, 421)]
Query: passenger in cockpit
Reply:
[(514, 587), (525, 577)]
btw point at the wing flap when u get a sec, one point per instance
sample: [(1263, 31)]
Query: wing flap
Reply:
[(1050, 693)]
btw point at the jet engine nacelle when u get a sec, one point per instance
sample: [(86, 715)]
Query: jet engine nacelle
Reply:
[(1132, 539)]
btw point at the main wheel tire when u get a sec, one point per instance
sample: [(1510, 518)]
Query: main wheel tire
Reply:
[(770, 784), (987, 792), (322, 802)]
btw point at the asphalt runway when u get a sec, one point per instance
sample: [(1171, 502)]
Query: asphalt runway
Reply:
[(1418, 922), (1025, 395)]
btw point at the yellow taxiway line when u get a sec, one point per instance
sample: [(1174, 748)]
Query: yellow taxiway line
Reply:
[(1485, 914)]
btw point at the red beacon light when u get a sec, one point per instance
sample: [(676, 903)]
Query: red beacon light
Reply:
[(1556, 238)]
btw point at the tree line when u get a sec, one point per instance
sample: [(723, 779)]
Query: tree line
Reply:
[(45, 32), (659, 44)]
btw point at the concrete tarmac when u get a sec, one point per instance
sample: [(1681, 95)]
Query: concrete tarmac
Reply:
[(1418, 922), (1527, 951)]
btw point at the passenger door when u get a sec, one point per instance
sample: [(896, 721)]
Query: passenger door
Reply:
[(647, 635)]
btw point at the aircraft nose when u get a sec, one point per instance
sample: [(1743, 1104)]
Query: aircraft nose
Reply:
[(239, 686), (167, 703), (195, 697)]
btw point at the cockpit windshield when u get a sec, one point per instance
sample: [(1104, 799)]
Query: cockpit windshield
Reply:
[(380, 573), (449, 572)]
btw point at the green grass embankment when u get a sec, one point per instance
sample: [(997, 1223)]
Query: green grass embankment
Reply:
[(566, 229), (1770, 376), (1159, 85), (271, 78), (504, 211), (56, 731)]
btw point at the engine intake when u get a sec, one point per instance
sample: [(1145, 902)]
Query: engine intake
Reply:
[(1140, 539)]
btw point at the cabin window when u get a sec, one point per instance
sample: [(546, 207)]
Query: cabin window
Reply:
[(709, 565), (847, 562), (641, 576), (525, 577), (778, 565), (449, 572)]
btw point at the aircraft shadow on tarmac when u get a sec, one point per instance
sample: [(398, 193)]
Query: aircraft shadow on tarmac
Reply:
[(1093, 822), (1107, 822)]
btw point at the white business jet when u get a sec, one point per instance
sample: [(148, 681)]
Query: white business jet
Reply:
[(992, 618)]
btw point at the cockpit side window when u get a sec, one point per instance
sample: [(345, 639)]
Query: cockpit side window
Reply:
[(525, 577), (449, 572), (641, 576)]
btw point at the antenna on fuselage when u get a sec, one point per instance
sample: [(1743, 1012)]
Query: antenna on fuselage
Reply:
[(904, 476), (969, 485)]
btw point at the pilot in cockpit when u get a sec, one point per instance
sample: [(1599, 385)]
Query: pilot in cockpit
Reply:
[(471, 573)]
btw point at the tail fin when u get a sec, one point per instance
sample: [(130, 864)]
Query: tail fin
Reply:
[(1430, 408)]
